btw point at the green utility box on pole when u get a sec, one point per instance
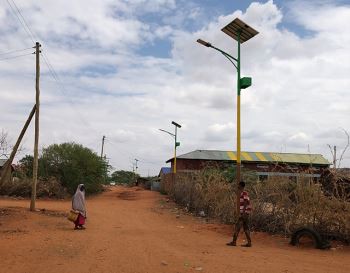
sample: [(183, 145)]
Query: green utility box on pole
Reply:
[(245, 82)]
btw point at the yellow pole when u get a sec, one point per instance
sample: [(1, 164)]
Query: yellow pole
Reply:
[(238, 120), (238, 149)]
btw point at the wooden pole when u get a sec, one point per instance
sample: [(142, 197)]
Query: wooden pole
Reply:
[(8, 163), (36, 140), (103, 144)]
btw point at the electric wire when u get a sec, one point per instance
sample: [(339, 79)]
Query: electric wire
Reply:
[(16, 11), (14, 57), (14, 51), (24, 24)]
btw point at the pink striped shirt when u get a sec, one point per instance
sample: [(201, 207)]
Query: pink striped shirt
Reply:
[(244, 197)]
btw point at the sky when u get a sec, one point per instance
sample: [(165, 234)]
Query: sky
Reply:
[(127, 68)]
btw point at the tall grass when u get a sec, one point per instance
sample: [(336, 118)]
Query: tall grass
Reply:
[(279, 204)]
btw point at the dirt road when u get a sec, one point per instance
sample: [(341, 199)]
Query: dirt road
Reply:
[(132, 231)]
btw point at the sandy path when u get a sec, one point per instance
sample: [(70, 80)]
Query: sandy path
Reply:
[(131, 231)]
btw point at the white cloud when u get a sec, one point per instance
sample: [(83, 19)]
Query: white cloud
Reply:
[(298, 98), (220, 132)]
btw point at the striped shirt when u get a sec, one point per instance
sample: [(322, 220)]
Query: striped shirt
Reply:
[(244, 197)]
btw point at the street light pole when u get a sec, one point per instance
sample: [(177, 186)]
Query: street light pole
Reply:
[(176, 142), (238, 168), (241, 32)]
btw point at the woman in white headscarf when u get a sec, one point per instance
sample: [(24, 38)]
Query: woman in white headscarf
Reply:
[(78, 204)]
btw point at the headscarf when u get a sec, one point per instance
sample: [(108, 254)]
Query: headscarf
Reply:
[(78, 202)]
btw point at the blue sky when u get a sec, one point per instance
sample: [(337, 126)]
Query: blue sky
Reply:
[(129, 67)]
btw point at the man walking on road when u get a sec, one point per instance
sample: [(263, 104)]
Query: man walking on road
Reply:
[(244, 209)]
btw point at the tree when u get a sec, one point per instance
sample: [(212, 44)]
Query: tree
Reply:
[(72, 164), (123, 177), (333, 152), (26, 165), (3, 144)]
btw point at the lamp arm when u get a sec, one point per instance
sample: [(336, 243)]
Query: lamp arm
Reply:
[(171, 134), (228, 57), (225, 53)]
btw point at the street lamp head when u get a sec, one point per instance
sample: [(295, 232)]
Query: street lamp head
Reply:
[(204, 43), (238, 26), (176, 124)]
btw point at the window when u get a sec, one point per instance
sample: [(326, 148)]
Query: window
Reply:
[(262, 177)]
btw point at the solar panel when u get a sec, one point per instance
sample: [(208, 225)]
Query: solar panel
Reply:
[(237, 25)]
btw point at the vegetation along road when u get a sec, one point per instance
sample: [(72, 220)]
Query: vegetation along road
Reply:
[(132, 230)]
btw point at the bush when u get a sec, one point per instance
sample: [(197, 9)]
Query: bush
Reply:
[(72, 164), (23, 187), (279, 204), (124, 177), (68, 165)]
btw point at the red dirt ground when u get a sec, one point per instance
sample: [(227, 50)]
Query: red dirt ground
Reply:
[(132, 230)]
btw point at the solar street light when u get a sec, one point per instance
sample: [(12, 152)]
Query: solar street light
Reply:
[(241, 32)]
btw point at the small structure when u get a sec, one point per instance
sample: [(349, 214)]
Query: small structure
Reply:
[(163, 171), (156, 185), (265, 164), (2, 164)]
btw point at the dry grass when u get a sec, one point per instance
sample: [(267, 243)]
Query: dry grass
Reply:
[(23, 187), (279, 204)]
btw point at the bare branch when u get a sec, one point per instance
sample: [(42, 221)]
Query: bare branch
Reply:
[(3, 144), (346, 147)]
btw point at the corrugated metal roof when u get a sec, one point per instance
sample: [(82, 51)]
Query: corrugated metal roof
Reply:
[(316, 159), (165, 170)]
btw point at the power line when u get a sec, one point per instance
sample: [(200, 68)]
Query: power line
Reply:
[(13, 51), (63, 90), (14, 57), (23, 23), (18, 10)]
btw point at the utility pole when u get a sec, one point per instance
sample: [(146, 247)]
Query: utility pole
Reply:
[(103, 144), (133, 171), (136, 160), (6, 168), (105, 168), (36, 138), (335, 158)]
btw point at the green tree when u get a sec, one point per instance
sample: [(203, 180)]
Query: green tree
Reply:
[(26, 165), (123, 177), (73, 164)]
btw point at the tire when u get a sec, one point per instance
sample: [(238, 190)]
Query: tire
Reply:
[(316, 237)]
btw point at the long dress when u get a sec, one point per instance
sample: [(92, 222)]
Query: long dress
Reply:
[(78, 204)]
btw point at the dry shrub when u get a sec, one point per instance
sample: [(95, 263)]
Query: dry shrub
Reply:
[(206, 191), (23, 187), (336, 182), (279, 204)]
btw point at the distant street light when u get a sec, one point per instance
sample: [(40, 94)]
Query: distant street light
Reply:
[(176, 143), (241, 32)]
